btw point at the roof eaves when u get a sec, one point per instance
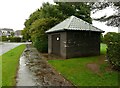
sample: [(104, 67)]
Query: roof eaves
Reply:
[(92, 26), (70, 29), (55, 31)]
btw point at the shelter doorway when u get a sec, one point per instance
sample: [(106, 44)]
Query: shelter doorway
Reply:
[(56, 44)]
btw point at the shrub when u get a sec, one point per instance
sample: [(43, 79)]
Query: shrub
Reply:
[(23, 40), (4, 38), (11, 39), (113, 43), (40, 42), (109, 37), (0, 38), (14, 39)]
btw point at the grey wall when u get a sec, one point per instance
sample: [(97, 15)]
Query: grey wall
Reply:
[(82, 43), (49, 43), (76, 43), (62, 43)]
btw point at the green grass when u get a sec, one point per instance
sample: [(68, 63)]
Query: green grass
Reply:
[(0, 72), (103, 48), (10, 64), (76, 71)]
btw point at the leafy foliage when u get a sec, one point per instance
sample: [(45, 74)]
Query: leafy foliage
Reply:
[(38, 35), (12, 34), (11, 39), (113, 43), (79, 9), (112, 20), (110, 37), (14, 39), (40, 42), (4, 38), (26, 34)]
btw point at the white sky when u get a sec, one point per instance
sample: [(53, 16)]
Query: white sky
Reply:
[(108, 11), (14, 12)]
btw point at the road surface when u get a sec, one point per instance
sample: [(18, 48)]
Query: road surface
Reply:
[(5, 47)]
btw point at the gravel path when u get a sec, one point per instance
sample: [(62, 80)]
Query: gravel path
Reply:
[(34, 70)]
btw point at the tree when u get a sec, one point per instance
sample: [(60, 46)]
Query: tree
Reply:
[(12, 34), (39, 37), (113, 20), (79, 9), (112, 40), (26, 34)]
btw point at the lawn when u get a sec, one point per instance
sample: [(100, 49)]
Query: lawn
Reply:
[(10, 62), (103, 49), (0, 72), (76, 70)]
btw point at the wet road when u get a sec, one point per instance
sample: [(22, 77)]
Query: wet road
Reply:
[(5, 47)]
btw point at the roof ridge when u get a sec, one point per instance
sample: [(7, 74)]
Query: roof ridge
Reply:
[(71, 18), (74, 23)]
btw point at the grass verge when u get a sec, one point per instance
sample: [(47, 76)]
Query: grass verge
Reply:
[(103, 49), (76, 70), (0, 72), (10, 62)]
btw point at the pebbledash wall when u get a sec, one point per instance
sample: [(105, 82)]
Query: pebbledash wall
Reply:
[(70, 44)]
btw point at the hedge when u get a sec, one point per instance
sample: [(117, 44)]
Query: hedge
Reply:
[(4, 38), (11, 39), (110, 37), (40, 42), (113, 51), (15, 39)]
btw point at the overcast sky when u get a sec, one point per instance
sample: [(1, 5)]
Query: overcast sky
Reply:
[(14, 12), (102, 25)]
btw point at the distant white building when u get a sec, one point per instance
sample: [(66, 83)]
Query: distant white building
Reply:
[(6, 32), (18, 33)]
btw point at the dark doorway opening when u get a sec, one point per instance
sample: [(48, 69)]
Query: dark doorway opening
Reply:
[(56, 44)]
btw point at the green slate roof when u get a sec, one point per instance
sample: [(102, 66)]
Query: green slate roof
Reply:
[(73, 23)]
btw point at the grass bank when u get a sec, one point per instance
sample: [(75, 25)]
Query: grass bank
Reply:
[(87, 71), (10, 62)]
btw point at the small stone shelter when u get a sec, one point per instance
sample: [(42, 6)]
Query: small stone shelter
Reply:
[(74, 37)]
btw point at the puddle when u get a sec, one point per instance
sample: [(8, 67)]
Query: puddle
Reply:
[(24, 77)]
